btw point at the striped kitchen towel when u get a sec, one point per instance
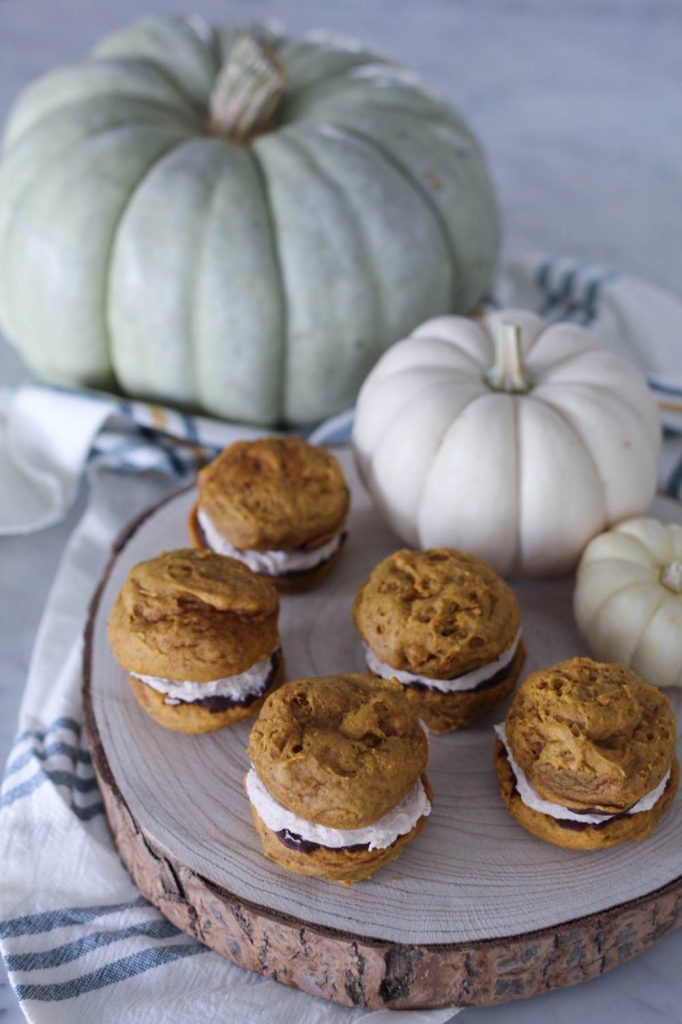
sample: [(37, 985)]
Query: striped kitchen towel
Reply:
[(79, 942)]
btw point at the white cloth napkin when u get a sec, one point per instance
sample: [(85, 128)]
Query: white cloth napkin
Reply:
[(49, 435), (80, 944)]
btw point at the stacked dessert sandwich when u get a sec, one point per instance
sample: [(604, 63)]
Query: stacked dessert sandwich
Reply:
[(337, 787), (277, 504), (586, 758), (198, 634), (447, 628)]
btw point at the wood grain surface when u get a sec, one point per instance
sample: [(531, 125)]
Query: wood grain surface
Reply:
[(475, 911)]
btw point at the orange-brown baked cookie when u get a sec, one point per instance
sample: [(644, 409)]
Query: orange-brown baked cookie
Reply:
[(447, 627), (586, 758), (577, 835), (347, 865), (276, 503), (208, 714), (443, 712), (199, 635), (337, 785)]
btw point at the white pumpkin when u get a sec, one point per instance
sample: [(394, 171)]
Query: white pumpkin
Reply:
[(508, 438), (628, 598)]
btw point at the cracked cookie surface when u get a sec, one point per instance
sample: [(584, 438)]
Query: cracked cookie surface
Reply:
[(338, 750), (275, 493), (191, 614), (437, 613), (591, 734)]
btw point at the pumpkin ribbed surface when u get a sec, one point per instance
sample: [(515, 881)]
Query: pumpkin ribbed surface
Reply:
[(522, 479), (141, 252), (628, 598)]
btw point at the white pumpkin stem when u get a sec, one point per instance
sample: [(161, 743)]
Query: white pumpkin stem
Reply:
[(247, 91), (671, 576), (508, 372)]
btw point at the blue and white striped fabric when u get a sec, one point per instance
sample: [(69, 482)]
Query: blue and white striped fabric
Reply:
[(79, 942), (55, 755)]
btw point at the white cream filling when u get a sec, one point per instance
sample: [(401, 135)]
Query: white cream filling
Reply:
[(467, 681), (379, 835), (235, 687), (272, 563), (531, 798)]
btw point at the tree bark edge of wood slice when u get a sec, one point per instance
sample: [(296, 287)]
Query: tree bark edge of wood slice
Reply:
[(371, 973), (354, 970)]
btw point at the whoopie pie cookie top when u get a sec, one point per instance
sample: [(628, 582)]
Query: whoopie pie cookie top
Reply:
[(437, 613), (338, 750), (191, 614), (275, 493), (591, 734)]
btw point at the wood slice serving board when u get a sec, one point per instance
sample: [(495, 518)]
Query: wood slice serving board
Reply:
[(475, 911)]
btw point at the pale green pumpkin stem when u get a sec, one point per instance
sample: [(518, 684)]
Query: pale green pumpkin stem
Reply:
[(671, 576), (508, 372), (247, 91)]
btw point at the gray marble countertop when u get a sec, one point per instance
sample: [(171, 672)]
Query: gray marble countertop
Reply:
[(579, 106)]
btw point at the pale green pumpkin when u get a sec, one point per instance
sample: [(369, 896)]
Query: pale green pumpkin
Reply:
[(150, 245)]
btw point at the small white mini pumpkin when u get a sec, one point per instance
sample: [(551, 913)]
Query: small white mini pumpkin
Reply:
[(508, 438), (628, 598)]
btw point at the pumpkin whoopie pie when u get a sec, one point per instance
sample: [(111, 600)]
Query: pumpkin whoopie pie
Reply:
[(586, 758), (337, 786), (446, 627), (198, 634), (277, 504)]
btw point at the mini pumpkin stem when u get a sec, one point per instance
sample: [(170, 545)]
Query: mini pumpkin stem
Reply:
[(247, 91), (671, 576), (508, 372)]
